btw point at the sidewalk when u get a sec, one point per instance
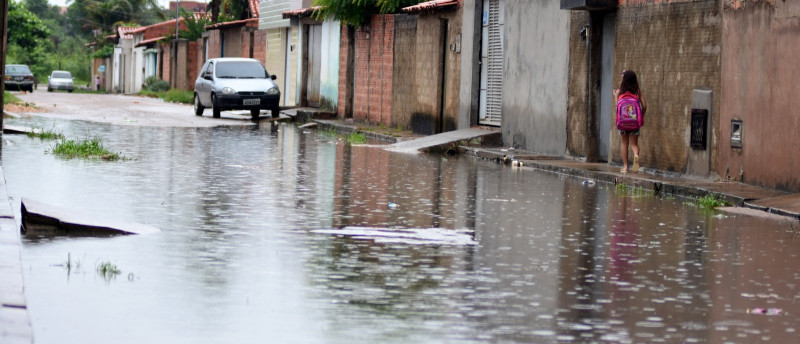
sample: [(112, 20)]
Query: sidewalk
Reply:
[(15, 325), (739, 194)]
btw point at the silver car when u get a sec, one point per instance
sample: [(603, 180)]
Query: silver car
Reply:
[(60, 80), (235, 84)]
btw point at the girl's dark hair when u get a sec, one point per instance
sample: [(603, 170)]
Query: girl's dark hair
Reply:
[(629, 83)]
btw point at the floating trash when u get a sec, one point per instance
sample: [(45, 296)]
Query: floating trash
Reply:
[(411, 236), (765, 311), (589, 182)]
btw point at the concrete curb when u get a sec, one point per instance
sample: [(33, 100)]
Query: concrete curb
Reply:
[(15, 325), (739, 194)]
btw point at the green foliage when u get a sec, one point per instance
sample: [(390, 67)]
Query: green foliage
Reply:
[(357, 12), (25, 29), (104, 52), (173, 95), (87, 148), (708, 202), (108, 270), (154, 84), (194, 26), (9, 98), (45, 134), (357, 138)]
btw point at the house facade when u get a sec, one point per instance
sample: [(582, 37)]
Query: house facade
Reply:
[(403, 70), (759, 119), (282, 45), (515, 61), (317, 64), (675, 49)]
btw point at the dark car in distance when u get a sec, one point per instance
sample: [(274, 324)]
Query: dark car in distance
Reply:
[(19, 77), (235, 84)]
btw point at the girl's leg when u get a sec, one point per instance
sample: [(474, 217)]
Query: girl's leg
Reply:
[(624, 150), (634, 139)]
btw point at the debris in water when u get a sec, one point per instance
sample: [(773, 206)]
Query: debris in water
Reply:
[(588, 182), (765, 311), (411, 236), (393, 205)]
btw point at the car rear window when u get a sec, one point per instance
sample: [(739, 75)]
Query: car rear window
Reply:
[(61, 75), (18, 69), (241, 69)]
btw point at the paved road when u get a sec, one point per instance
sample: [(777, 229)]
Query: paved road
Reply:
[(127, 110)]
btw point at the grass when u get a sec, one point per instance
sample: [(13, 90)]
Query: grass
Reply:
[(87, 148), (173, 95), (635, 191), (357, 138), (45, 134), (108, 270), (9, 98), (708, 202)]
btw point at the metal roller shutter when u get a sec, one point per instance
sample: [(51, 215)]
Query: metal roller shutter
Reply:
[(492, 72)]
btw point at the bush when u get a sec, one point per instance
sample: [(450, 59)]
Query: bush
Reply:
[(154, 84)]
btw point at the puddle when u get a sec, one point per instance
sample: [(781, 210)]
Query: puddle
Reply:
[(276, 234)]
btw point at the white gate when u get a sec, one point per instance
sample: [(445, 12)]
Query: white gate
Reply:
[(492, 63)]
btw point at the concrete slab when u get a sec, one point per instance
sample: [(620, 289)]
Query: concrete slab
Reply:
[(39, 218), (448, 141), (788, 205), (13, 129)]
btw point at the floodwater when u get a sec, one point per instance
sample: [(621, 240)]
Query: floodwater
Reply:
[(273, 234)]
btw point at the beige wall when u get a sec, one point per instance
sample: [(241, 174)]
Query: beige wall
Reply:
[(760, 86)]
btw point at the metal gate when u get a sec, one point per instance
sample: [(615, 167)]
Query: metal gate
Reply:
[(314, 64), (607, 101), (492, 63)]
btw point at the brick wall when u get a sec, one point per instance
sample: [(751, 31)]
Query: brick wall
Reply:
[(192, 66), (374, 47), (344, 42), (166, 56), (260, 45), (674, 47)]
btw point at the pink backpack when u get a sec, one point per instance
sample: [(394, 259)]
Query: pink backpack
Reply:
[(629, 112)]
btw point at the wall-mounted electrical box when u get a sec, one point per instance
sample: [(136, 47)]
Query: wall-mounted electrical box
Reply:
[(698, 137), (737, 131)]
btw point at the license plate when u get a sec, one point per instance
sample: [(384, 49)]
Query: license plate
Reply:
[(252, 102)]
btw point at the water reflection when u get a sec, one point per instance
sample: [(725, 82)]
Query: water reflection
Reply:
[(238, 259)]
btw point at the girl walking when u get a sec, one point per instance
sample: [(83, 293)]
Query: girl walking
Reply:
[(631, 108)]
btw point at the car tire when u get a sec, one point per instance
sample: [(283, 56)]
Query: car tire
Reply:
[(198, 108), (276, 112), (49, 89), (70, 91), (254, 113), (215, 107)]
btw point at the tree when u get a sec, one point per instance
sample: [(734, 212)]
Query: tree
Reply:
[(195, 25), (25, 29), (357, 12)]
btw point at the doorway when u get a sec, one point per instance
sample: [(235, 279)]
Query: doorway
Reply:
[(607, 101)]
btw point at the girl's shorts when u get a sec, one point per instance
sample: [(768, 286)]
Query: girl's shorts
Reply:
[(630, 132)]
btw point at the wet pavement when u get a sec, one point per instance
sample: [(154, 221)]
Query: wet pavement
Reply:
[(272, 233)]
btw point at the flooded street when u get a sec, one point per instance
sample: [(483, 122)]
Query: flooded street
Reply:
[(270, 234)]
